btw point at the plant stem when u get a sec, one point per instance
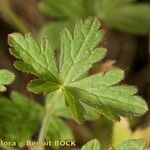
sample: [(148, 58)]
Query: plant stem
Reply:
[(50, 107)]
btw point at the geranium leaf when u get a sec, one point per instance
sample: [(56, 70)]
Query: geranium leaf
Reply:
[(79, 51)]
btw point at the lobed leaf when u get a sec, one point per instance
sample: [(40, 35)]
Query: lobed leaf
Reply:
[(79, 51)]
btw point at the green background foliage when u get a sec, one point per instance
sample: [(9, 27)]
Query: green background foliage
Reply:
[(124, 15)]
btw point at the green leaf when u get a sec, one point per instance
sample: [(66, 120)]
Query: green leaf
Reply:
[(63, 8), (34, 57), (92, 145), (6, 78), (137, 144), (58, 130), (79, 51), (125, 15), (19, 118)]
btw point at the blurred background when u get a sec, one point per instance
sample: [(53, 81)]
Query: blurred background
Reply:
[(126, 24)]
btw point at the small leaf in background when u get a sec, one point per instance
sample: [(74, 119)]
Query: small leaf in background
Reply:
[(63, 8), (66, 13), (53, 30), (19, 118), (122, 15), (133, 145), (6, 78), (122, 132), (92, 145), (58, 130), (125, 15), (91, 113)]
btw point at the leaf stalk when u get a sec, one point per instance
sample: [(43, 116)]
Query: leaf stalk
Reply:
[(50, 107)]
